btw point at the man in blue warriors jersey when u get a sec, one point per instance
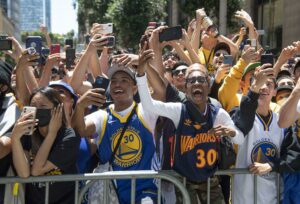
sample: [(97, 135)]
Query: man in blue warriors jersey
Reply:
[(195, 152), (137, 147)]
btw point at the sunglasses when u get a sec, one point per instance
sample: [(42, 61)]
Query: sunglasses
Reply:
[(199, 79), (176, 72)]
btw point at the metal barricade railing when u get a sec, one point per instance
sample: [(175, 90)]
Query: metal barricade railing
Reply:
[(106, 176), (170, 176)]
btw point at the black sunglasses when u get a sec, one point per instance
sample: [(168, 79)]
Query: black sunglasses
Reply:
[(176, 72), (199, 79)]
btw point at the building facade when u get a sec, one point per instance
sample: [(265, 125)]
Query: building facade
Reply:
[(10, 17), (278, 18), (34, 13)]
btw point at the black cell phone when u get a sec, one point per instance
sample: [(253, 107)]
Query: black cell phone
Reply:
[(172, 33), (44, 54), (5, 44), (70, 57), (101, 82), (228, 59), (267, 59), (69, 42), (87, 39)]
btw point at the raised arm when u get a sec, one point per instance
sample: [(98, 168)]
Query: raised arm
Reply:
[(21, 158), (52, 60), (43, 29), (169, 110), (97, 42), (289, 111)]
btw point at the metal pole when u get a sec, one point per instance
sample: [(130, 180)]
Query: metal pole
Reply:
[(255, 189), (105, 191), (208, 191), (76, 191), (47, 193), (223, 17), (159, 191), (133, 191)]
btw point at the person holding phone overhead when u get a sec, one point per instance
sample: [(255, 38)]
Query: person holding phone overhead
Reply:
[(51, 149), (132, 150)]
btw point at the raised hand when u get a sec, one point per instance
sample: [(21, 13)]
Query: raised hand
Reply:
[(245, 17), (23, 124), (144, 57), (94, 97), (261, 75), (16, 52), (56, 119), (126, 59), (222, 72)]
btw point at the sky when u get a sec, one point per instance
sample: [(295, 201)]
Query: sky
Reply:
[(63, 16)]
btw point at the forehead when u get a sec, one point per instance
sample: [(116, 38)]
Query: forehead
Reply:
[(121, 74), (221, 51), (196, 73), (181, 67), (63, 90), (40, 98)]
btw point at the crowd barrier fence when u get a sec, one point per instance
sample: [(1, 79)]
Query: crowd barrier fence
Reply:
[(170, 176)]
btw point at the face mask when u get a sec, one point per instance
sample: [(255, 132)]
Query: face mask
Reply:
[(44, 116)]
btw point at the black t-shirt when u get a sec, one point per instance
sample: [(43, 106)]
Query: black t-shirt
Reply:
[(63, 155)]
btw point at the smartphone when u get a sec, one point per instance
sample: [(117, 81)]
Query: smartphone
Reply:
[(101, 82), (5, 44), (110, 41), (69, 42), (70, 57), (32, 110), (171, 33), (267, 59), (36, 43), (87, 39), (228, 59), (55, 48), (44, 54), (106, 29)]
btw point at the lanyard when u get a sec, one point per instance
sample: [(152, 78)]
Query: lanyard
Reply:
[(207, 60)]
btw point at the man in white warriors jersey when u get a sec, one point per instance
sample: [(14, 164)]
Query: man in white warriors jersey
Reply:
[(260, 146)]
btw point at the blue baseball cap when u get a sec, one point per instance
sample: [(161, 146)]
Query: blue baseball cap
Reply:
[(65, 86)]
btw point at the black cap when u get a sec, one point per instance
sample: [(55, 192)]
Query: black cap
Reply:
[(5, 73)]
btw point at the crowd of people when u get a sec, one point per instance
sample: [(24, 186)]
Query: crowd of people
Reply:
[(167, 107)]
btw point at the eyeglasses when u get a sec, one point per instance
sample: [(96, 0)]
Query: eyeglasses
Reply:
[(199, 79), (176, 72)]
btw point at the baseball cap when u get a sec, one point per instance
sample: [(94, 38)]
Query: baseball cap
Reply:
[(285, 87), (65, 86), (250, 67), (120, 68)]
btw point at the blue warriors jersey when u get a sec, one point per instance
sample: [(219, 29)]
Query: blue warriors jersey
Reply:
[(195, 155), (135, 152)]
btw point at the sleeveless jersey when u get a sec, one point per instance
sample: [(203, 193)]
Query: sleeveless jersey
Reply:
[(261, 144), (195, 155), (135, 152)]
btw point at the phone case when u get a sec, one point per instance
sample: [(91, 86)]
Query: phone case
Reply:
[(36, 43), (106, 28), (29, 109), (5, 44), (55, 48), (101, 82), (70, 57), (228, 59), (267, 59), (172, 33)]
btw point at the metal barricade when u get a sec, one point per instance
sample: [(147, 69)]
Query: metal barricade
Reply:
[(106, 176), (170, 176)]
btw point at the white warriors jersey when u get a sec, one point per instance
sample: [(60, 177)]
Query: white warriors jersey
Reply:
[(262, 144)]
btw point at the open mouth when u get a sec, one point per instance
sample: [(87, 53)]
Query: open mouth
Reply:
[(118, 92), (197, 92)]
